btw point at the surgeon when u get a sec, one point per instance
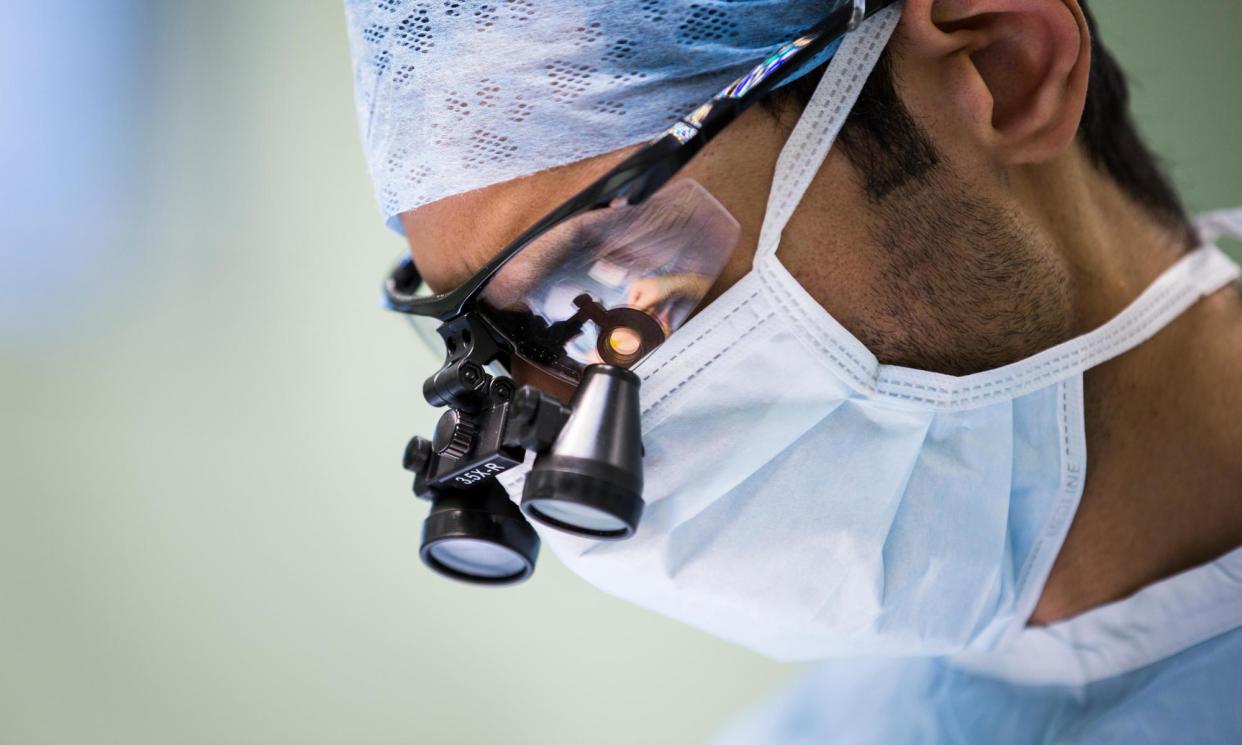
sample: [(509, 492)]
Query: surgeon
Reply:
[(942, 385)]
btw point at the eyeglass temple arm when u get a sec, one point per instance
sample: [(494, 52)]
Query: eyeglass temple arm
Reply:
[(681, 142), (401, 286)]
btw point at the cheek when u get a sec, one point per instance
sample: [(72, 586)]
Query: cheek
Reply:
[(737, 169), (828, 245), (736, 268)]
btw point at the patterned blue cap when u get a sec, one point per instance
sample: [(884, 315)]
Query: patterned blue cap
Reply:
[(455, 95)]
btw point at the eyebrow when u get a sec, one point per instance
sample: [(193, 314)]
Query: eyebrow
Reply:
[(528, 270)]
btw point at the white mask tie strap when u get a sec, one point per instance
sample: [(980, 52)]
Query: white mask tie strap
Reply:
[(1220, 224), (1199, 273), (822, 120)]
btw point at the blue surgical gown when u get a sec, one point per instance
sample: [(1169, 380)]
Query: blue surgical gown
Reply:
[(1162, 666)]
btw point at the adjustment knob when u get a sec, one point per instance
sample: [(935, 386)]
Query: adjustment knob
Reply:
[(454, 434), (417, 455)]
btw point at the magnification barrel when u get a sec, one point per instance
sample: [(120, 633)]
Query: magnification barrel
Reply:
[(479, 536), (590, 482)]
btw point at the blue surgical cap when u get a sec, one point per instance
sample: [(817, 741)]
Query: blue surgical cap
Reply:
[(455, 95)]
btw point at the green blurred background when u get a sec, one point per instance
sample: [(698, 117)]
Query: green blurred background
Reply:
[(205, 534)]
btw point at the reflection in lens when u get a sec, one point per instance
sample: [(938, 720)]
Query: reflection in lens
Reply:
[(624, 341), (611, 284), (477, 558), (626, 334), (578, 515)]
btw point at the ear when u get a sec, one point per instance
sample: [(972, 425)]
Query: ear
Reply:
[(1017, 69)]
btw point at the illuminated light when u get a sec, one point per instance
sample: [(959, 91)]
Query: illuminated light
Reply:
[(625, 341)]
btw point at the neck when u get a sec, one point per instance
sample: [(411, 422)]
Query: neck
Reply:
[(1164, 447)]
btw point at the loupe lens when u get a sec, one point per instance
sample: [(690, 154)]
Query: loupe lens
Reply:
[(581, 516), (582, 498), (590, 482), (479, 536), (476, 558)]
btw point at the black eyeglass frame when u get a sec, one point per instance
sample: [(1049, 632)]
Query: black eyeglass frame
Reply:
[(646, 171)]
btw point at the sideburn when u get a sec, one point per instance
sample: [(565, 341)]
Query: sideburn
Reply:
[(965, 287)]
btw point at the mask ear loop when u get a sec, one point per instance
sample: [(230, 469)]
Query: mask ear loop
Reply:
[(1220, 224), (821, 121)]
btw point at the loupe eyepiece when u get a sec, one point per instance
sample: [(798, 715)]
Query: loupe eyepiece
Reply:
[(590, 482), (586, 479), (479, 536)]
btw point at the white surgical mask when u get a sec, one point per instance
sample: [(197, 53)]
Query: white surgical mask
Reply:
[(805, 500)]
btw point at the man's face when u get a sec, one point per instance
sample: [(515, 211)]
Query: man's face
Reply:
[(938, 272), (452, 238)]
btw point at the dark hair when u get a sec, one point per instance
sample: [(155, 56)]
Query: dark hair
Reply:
[(889, 148)]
